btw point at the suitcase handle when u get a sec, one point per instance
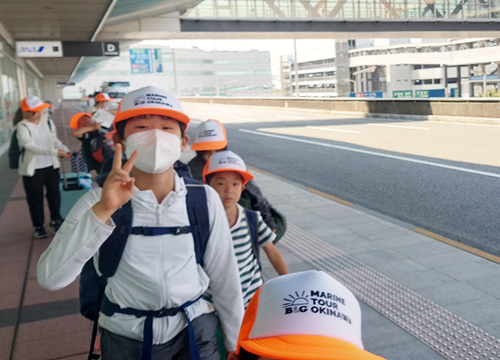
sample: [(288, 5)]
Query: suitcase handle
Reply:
[(65, 181)]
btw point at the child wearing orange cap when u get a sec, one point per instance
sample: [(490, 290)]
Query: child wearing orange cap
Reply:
[(96, 146), (227, 174), (210, 137), (39, 163), (302, 316), (152, 305)]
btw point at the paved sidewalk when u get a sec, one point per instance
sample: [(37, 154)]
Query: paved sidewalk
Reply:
[(421, 299)]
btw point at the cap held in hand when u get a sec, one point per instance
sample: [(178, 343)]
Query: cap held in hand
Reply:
[(306, 315)]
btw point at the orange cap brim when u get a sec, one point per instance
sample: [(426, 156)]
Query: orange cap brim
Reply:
[(127, 114), (306, 347), (25, 107), (209, 145), (246, 175), (73, 123)]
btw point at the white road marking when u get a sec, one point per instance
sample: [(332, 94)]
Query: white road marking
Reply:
[(374, 153), (402, 127), (335, 130)]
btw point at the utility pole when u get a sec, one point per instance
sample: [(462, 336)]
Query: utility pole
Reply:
[(296, 65)]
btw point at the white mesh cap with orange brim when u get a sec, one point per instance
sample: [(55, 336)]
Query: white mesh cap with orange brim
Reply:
[(210, 135), (33, 103), (150, 100), (226, 161), (102, 97), (303, 316)]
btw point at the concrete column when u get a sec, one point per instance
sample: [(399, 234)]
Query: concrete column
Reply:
[(459, 81)]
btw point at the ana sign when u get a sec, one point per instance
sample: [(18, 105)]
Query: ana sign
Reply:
[(39, 49)]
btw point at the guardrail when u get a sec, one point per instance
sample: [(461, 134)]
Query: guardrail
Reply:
[(485, 111)]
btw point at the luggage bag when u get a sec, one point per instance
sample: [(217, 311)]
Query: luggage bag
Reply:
[(72, 186)]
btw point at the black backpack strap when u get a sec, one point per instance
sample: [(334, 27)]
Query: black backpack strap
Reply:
[(111, 251), (252, 222), (197, 208)]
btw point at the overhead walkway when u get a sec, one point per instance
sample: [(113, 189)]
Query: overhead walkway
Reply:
[(339, 19), (421, 298)]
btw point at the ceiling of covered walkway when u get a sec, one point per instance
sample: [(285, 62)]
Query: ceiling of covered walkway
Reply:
[(129, 21)]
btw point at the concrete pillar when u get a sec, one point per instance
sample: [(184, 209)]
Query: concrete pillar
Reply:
[(459, 81)]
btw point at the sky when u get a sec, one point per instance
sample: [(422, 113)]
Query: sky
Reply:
[(306, 48)]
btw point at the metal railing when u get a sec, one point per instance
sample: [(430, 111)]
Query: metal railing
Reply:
[(347, 9)]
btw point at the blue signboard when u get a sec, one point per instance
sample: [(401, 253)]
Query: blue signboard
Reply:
[(145, 61), (157, 60), (140, 61)]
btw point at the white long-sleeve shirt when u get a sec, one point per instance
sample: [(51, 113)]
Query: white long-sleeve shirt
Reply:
[(40, 144), (155, 271)]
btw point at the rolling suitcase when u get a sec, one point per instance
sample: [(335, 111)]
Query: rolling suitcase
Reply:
[(73, 185)]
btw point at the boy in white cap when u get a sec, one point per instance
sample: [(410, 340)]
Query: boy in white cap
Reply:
[(39, 163), (210, 137), (302, 316), (227, 174), (155, 293)]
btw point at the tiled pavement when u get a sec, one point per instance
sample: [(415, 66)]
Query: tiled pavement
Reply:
[(421, 299)]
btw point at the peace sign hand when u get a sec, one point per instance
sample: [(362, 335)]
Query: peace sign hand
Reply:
[(118, 187)]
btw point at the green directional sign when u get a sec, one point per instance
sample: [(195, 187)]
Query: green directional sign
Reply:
[(402, 94), (421, 93)]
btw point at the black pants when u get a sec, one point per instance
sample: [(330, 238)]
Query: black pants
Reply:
[(116, 347), (33, 186)]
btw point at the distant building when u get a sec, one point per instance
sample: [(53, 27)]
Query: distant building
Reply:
[(190, 72), (452, 68), (324, 77), (400, 68)]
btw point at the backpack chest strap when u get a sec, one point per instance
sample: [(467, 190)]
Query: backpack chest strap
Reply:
[(108, 308), (160, 230)]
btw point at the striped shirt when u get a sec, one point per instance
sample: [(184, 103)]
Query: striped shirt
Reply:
[(248, 267)]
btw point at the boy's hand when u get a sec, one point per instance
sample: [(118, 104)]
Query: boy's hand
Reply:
[(118, 187), (232, 356), (97, 126), (64, 154)]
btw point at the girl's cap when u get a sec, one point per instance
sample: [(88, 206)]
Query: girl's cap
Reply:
[(33, 103), (102, 97), (73, 123), (210, 135), (226, 161), (304, 316), (150, 100)]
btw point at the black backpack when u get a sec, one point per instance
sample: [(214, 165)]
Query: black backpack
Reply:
[(253, 225), (15, 152), (92, 285)]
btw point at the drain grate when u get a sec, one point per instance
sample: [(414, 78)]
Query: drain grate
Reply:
[(443, 331)]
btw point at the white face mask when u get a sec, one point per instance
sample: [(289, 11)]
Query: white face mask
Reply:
[(158, 150)]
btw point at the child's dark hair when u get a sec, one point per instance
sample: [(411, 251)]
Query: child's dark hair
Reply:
[(120, 127), (210, 176), (18, 116), (200, 153), (245, 355)]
